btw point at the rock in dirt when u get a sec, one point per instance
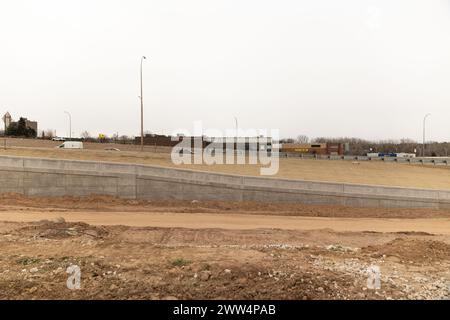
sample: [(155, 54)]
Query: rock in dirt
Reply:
[(205, 275), (59, 220), (92, 233)]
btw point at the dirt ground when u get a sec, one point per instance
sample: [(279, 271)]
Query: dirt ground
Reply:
[(307, 255), (13, 202), (375, 173)]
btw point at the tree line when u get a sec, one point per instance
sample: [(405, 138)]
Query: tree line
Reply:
[(357, 146)]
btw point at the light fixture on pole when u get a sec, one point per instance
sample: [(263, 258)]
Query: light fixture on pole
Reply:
[(423, 145), (70, 124), (142, 109)]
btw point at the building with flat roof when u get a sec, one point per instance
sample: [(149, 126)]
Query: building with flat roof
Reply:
[(314, 148)]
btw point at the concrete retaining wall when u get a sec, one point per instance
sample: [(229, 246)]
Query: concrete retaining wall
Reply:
[(50, 177)]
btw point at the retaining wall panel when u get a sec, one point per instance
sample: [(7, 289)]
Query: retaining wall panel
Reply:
[(36, 176)]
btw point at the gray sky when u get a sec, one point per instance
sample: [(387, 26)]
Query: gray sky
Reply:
[(368, 69)]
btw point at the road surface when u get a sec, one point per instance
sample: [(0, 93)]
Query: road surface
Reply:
[(236, 221)]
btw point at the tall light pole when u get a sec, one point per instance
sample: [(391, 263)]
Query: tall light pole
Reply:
[(423, 145), (70, 124), (142, 109), (236, 123)]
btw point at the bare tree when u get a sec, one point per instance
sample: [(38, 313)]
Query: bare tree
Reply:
[(125, 139), (302, 139), (287, 140), (48, 133), (85, 135)]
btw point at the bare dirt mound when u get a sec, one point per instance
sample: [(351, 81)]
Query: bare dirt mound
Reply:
[(411, 250), (59, 229), (160, 263), (93, 201)]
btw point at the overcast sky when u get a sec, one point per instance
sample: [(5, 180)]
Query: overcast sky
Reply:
[(369, 69)]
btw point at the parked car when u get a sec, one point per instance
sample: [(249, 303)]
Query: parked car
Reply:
[(58, 139)]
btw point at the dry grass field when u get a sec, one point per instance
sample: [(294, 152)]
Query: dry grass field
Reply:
[(376, 173)]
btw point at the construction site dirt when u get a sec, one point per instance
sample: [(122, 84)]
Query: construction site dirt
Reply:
[(128, 249)]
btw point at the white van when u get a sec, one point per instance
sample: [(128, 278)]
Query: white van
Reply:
[(71, 145)]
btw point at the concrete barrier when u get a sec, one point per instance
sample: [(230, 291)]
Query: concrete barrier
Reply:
[(52, 177)]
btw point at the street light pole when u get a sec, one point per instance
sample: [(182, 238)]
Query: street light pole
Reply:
[(142, 109), (423, 145), (236, 122), (70, 124)]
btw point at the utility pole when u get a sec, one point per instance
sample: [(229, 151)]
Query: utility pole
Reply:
[(70, 124), (142, 109), (423, 144)]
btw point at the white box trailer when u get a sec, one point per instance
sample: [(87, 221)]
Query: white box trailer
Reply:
[(373, 154), (391, 155), (405, 155), (71, 145)]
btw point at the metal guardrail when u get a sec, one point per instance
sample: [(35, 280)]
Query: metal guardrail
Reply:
[(418, 160)]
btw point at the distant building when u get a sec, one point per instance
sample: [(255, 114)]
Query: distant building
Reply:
[(31, 124), (7, 119), (236, 143), (314, 148), (158, 140), (243, 143)]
